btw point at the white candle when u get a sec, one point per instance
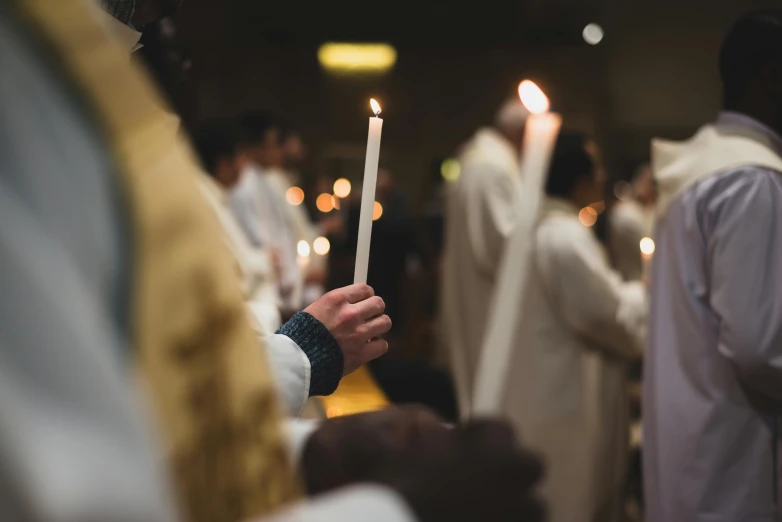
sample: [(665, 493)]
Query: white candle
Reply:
[(501, 335), (368, 195)]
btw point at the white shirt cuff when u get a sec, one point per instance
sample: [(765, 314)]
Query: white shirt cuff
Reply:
[(292, 372)]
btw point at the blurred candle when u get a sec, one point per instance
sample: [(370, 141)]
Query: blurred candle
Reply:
[(500, 339), (368, 194)]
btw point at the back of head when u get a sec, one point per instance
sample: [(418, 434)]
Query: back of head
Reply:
[(569, 165), (255, 128), (511, 117), (752, 44), (215, 141)]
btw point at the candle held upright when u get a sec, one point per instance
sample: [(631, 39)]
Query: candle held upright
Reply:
[(540, 135), (368, 194)]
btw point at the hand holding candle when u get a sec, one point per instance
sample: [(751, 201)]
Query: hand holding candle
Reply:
[(368, 194), (540, 135)]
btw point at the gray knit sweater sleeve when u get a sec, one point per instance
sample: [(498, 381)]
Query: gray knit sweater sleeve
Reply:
[(321, 349)]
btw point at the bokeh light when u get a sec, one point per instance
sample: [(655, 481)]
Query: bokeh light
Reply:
[(321, 246), (303, 248), (356, 57), (294, 196), (342, 188), (325, 202), (647, 246), (599, 207), (593, 34), (587, 216), (377, 211), (450, 169)]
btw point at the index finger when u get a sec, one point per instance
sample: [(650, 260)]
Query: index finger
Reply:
[(357, 292)]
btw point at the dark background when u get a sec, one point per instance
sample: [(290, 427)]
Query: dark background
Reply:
[(654, 74)]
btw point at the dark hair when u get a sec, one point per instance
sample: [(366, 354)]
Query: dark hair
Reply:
[(214, 141), (570, 163), (254, 127), (753, 42)]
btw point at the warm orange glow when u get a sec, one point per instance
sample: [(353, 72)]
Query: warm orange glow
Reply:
[(342, 188), (587, 216), (333, 412), (321, 246), (335, 202), (375, 106), (533, 98), (377, 211), (647, 247), (294, 196), (325, 202)]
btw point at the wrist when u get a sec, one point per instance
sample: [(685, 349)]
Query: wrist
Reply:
[(321, 349)]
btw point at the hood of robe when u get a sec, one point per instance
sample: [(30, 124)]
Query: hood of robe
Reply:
[(488, 145), (715, 148)]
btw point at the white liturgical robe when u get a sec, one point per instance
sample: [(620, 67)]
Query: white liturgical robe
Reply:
[(481, 213), (713, 370), (567, 394)]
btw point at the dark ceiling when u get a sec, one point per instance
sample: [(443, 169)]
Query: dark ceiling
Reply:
[(403, 23)]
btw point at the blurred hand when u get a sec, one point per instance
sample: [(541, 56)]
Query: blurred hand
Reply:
[(359, 448), (481, 475), (354, 316)]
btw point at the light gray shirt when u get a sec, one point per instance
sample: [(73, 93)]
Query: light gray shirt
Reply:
[(713, 369)]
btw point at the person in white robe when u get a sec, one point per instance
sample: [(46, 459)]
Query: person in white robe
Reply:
[(631, 220), (579, 328), (481, 210), (297, 363), (712, 395), (258, 202)]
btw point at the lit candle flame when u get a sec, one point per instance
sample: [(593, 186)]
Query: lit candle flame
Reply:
[(375, 106), (533, 98)]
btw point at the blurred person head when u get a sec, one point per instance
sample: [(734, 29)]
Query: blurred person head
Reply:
[(261, 139), (216, 145), (575, 173), (136, 13), (294, 150), (643, 184), (510, 121), (751, 67)]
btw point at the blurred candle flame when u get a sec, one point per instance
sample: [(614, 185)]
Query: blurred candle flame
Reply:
[(375, 106), (342, 188), (325, 202), (533, 98), (321, 246), (294, 196), (647, 247)]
